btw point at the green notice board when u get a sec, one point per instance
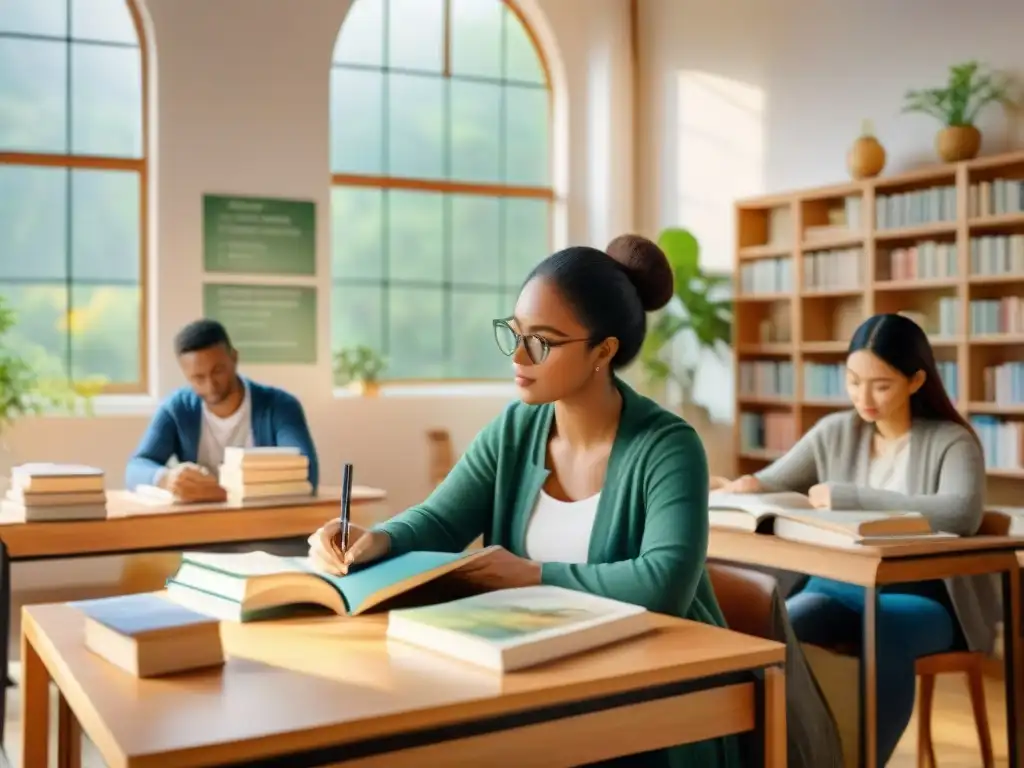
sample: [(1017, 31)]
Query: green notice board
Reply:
[(259, 236), (267, 323)]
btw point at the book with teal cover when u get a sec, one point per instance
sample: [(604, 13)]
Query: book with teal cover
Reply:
[(254, 585)]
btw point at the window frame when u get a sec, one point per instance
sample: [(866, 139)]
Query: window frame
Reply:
[(452, 187), (139, 165)]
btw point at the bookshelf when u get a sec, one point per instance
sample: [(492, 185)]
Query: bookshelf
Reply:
[(944, 244)]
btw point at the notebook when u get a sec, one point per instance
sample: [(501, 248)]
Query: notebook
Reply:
[(512, 629), (249, 586)]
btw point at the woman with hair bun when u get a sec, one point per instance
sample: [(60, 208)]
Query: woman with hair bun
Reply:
[(582, 482)]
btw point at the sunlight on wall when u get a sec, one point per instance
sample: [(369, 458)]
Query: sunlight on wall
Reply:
[(720, 156)]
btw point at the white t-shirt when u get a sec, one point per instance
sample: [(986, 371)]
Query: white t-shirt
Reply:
[(216, 433), (559, 531), (888, 470)]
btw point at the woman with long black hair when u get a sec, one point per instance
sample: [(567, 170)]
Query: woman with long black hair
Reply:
[(903, 447)]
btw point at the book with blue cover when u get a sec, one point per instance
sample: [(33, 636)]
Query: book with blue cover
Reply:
[(149, 635), (257, 585)]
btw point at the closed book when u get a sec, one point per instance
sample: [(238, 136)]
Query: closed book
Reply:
[(512, 629), (149, 635)]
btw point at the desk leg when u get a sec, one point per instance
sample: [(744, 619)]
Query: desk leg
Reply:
[(35, 707), (868, 677), (69, 736), (775, 741), (5, 633), (1011, 662)]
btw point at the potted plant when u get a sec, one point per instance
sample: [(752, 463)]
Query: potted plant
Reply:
[(358, 368), (970, 89), (696, 315)]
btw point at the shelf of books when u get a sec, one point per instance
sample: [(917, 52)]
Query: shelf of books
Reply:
[(943, 245)]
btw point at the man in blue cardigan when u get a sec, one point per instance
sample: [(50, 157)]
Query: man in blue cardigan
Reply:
[(218, 409)]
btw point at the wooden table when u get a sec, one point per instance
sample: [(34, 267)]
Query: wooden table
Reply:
[(333, 691), (134, 527), (874, 567)]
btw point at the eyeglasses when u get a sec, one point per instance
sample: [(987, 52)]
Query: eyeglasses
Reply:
[(537, 347)]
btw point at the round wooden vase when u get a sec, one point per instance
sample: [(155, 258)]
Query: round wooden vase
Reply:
[(958, 142), (866, 157)]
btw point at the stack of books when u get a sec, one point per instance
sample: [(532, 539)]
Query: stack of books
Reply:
[(261, 473), (54, 492)]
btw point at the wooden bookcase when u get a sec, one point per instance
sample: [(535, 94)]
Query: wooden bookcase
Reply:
[(944, 243)]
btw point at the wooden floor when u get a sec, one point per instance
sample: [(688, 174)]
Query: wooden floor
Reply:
[(956, 743)]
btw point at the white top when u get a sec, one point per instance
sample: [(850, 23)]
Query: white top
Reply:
[(889, 470), (216, 433), (559, 531)]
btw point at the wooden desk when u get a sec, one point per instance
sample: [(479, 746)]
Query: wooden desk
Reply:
[(873, 567), (134, 527), (329, 691)]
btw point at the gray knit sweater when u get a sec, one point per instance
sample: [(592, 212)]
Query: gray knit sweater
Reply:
[(946, 483)]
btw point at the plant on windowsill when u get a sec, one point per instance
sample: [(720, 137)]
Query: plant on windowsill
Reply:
[(969, 89), (23, 392), (696, 319), (359, 369)]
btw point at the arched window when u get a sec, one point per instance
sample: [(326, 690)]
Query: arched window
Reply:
[(442, 190), (72, 188)]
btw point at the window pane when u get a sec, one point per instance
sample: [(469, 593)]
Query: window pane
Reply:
[(361, 39), (357, 233), (416, 326), (106, 101), (40, 334), (527, 239), (356, 317), (105, 227), (522, 61), (104, 333), (527, 125), (474, 353), (32, 222), (106, 20), (475, 131), (34, 17), (416, 236), (32, 92), (416, 126), (476, 240), (416, 34), (476, 37), (357, 113), (508, 301)]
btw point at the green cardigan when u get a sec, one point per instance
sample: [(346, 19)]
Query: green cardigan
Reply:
[(649, 541)]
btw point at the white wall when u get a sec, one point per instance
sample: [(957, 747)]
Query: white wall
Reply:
[(744, 97), (240, 104)]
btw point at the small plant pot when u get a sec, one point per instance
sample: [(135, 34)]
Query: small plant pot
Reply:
[(365, 388), (866, 158), (958, 142)]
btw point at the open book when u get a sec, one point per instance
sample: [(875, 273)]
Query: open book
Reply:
[(249, 586), (791, 516), (510, 629)]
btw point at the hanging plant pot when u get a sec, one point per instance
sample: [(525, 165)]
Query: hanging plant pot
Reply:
[(958, 142)]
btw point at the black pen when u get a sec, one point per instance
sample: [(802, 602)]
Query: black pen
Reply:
[(346, 499)]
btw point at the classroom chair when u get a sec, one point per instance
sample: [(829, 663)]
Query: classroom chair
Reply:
[(441, 457), (972, 665)]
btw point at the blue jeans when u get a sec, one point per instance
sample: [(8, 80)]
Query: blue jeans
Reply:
[(913, 620)]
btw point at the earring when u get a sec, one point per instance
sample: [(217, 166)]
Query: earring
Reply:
[(597, 369)]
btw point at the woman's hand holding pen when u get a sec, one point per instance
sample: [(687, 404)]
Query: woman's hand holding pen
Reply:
[(364, 546)]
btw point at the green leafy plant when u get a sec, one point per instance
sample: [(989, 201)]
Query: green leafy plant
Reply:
[(359, 364), (696, 312), (23, 392), (970, 88)]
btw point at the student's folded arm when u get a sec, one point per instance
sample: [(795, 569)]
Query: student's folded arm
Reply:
[(796, 470), (673, 550), (154, 451), (292, 430), (459, 509), (957, 506)]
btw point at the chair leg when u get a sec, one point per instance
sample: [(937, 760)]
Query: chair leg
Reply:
[(925, 746), (976, 686)]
